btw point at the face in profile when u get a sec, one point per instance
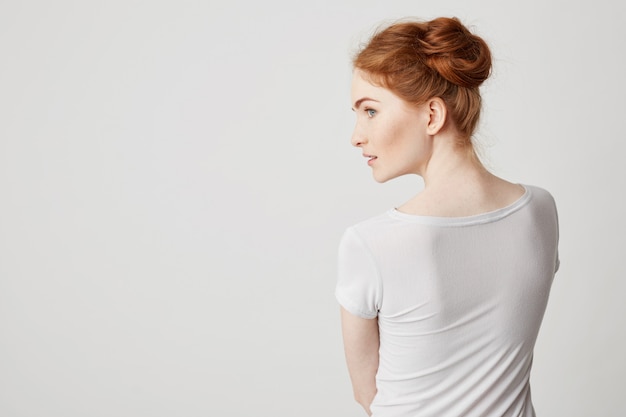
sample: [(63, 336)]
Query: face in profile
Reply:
[(391, 133)]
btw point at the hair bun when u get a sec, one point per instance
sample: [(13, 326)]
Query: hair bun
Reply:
[(455, 53)]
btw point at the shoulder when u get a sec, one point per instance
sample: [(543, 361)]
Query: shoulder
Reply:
[(542, 207), (367, 235), (372, 228), (540, 196), (538, 192)]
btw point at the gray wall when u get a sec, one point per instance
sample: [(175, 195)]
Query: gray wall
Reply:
[(175, 176)]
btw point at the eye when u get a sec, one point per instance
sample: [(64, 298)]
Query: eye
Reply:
[(370, 112)]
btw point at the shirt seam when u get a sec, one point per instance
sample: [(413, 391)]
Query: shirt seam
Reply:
[(379, 280)]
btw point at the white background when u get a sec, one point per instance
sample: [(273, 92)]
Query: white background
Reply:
[(175, 177)]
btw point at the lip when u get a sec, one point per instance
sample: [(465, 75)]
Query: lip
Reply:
[(370, 159)]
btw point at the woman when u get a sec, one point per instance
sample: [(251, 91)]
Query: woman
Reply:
[(441, 298)]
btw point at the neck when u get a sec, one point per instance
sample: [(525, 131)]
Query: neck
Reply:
[(451, 165), (457, 184)]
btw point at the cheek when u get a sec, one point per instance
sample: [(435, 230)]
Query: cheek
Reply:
[(400, 138), (390, 136)]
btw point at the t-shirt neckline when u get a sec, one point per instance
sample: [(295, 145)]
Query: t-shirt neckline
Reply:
[(487, 217)]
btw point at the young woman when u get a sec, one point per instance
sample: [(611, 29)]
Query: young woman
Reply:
[(441, 298)]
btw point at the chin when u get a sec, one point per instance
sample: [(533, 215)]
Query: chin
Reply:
[(381, 179)]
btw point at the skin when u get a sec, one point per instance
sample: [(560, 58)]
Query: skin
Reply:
[(361, 342), (399, 138)]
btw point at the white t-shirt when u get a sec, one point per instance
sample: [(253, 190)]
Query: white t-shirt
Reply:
[(459, 302)]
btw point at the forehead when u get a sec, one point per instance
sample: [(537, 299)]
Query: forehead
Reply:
[(361, 82), (362, 87)]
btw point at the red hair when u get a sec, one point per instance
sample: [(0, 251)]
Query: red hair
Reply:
[(439, 58)]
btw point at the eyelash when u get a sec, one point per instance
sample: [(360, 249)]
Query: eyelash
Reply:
[(370, 112)]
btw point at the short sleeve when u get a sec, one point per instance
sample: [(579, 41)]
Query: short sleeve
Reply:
[(557, 263), (358, 285)]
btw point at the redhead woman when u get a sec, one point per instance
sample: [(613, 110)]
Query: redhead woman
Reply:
[(442, 297)]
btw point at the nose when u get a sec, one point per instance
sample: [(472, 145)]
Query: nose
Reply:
[(358, 138)]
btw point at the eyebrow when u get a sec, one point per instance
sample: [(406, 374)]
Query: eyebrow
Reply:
[(357, 103)]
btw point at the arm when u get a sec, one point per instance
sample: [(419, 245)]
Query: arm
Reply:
[(361, 342)]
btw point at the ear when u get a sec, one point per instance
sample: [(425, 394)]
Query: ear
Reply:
[(437, 113)]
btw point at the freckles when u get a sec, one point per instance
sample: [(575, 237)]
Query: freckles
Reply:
[(395, 135), (389, 132)]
